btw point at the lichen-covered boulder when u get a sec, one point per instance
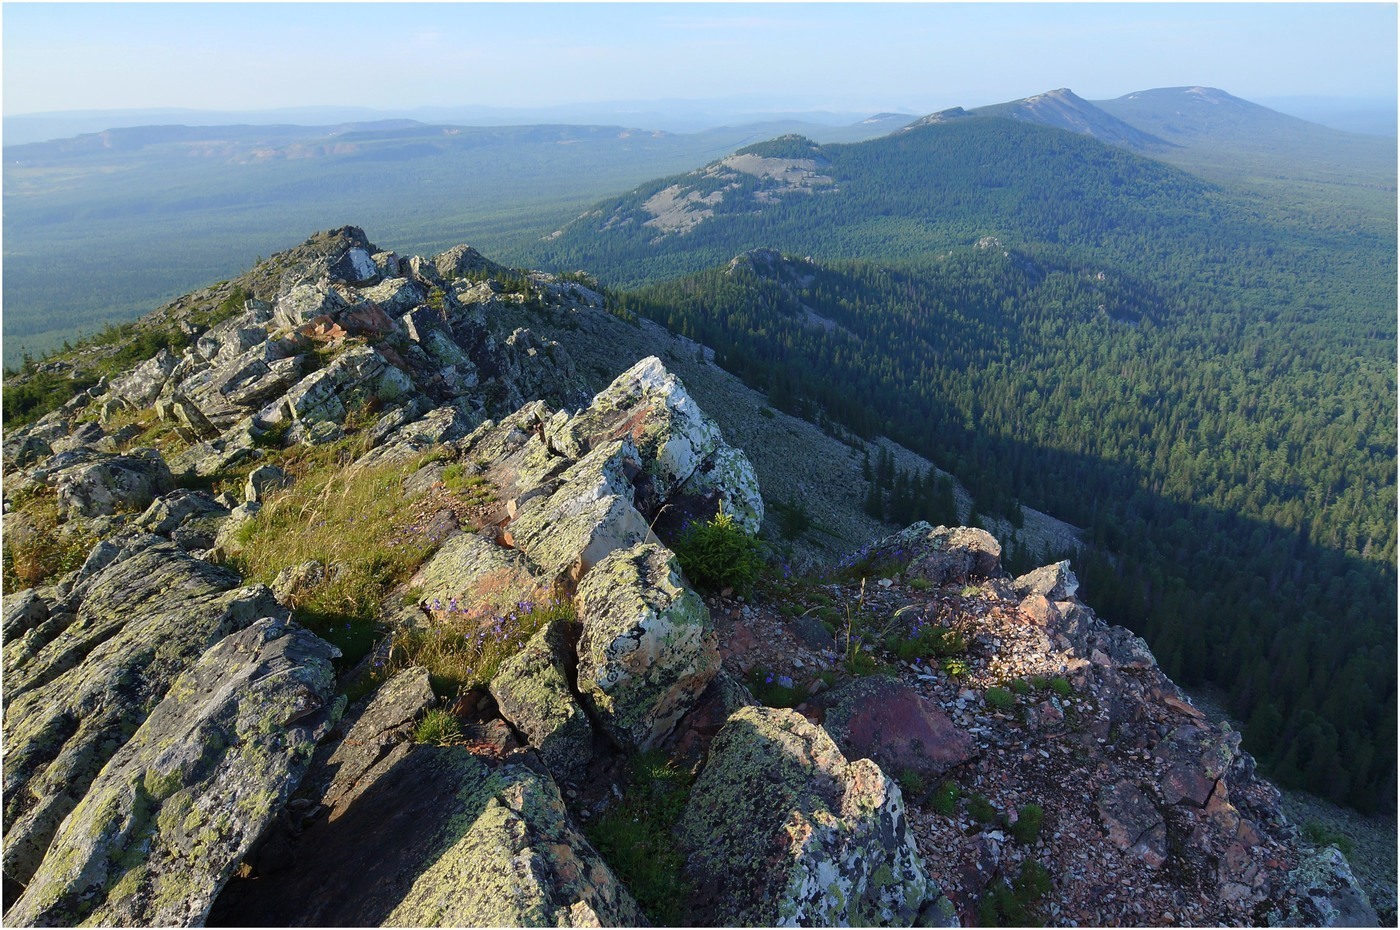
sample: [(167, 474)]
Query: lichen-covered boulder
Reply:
[(648, 649), (303, 302), (1196, 758), (532, 690), (941, 554), (436, 837), (681, 450), (76, 689), (468, 570), (782, 830), (142, 385), (589, 516), (886, 720), (106, 484), (1323, 892), (164, 823), (724, 482)]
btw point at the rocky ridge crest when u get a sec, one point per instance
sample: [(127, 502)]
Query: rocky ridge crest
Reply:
[(187, 745)]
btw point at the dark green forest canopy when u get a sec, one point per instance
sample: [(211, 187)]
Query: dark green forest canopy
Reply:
[(1248, 535)]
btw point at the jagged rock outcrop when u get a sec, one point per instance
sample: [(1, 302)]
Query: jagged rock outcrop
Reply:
[(1009, 702), (81, 681), (433, 836), (533, 691), (161, 827), (687, 464), (781, 830), (939, 554), (647, 649)]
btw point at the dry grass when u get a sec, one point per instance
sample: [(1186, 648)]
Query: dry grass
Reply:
[(467, 639)]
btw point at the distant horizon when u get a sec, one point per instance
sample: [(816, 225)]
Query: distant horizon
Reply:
[(866, 58)]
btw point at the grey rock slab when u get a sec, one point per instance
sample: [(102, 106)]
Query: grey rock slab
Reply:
[(436, 837), (131, 628), (106, 484), (161, 827), (532, 690), (589, 516)]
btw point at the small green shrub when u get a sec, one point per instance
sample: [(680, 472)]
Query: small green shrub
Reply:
[(1061, 686), (911, 783), (437, 727), (1320, 834), (1000, 699), (945, 799), (1017, 904), (718, 554), (1020, 686), (1026, 829), (636, 837), (921, 584), (956, 668), (981, 809), (1039, 682)]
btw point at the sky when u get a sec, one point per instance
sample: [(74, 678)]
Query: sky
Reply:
[(871, 57)]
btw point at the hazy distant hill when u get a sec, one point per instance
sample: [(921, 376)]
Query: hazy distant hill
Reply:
[(141, 214), (1062, 109), (1228, 139)]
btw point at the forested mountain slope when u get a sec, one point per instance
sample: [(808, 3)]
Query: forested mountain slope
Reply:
[(1204, 377)]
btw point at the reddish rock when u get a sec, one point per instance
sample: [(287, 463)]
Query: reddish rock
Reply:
[(887, 721)]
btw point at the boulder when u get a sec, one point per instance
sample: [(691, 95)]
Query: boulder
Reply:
[(470, 571), (159, 830), (76, 692), (725, 481), (647, 650), (372, 731), (1323, 892), (305, 302), (1196, 757), (1132, 822), (940, 554), (433, 836), (674, 439), (532, 690), (782, 830), (142, 386), (356, 267), (465, 261), (1053, 582), (108, 484), (190, 518), (588, 517), (262, 479), (886, 720)]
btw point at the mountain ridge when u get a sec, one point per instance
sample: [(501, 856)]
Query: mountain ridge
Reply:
[(504, 622)]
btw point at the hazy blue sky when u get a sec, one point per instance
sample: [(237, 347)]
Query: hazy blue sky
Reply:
[(912, 56)]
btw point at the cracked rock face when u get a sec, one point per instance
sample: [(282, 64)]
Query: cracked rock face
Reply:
[(647, 650), (81, 682), (782, 830), (162, 826), (434, 836)]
